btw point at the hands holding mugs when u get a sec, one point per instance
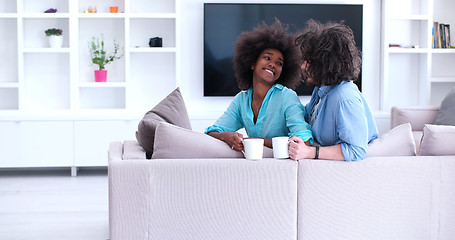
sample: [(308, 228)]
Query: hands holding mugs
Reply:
[(253, 148)]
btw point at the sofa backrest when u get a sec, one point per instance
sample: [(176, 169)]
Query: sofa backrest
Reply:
[(406, 198)]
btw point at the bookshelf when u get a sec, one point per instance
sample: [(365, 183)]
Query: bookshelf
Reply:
[(41, 85), (417, 74)]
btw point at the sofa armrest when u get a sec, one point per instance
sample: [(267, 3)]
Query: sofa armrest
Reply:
[(115, 151), (417, 116), (127, 150)]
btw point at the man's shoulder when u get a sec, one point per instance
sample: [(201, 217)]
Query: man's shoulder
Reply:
[(345, 91)]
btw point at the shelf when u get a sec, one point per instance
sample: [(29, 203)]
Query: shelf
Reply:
[(408, 23), (443, 50), (8, 15), (46, 15), (153, 50), (443, 79), (152, 15), (46, 50), (101, 15), (417, 17), (408, 50), (102, 84), (9, 85), (68, 115)]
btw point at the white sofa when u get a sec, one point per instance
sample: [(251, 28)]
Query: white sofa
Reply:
[(406, 197)]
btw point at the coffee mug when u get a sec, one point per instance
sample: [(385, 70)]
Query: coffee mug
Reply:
[(280, 147), (253, 148)]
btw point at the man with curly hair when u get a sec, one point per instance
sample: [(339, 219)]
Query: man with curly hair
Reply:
[(266, 66), (339, 116)]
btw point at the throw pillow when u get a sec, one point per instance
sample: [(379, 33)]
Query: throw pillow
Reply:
[(398, 141), (171, 109), (446, 114), (175, 142), (437, 140)]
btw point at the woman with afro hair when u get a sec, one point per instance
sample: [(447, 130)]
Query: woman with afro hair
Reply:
[(340, 118), (266, 66)]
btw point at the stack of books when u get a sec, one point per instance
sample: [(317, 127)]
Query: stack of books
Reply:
[(441, 35)]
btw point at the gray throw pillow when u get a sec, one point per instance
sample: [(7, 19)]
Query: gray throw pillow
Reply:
[(172, 142), (446, 114), (171, 109)]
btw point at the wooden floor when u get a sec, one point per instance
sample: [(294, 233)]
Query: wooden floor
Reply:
[(50, 204)]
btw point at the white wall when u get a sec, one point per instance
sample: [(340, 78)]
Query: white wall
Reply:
[(204, 110)]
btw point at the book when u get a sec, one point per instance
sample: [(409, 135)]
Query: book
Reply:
[(442, 42), (447, 35), (436, 36)]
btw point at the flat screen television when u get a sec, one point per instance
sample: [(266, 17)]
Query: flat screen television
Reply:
[(223, 23)]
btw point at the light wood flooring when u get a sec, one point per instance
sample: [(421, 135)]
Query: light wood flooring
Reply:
[(50, 204)]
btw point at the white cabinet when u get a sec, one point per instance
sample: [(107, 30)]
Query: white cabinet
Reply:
[(415, 73), (56, 85), (36, 144)]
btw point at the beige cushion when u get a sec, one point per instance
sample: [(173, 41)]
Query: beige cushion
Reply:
[(175, 142), (399, 141), (418, 116), (171, 109), (438, 140)]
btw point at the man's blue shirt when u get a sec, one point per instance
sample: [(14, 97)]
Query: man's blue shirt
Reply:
[(342, 117)]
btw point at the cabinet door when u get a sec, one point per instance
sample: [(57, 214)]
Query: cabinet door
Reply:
[(9, 144), (92, 139), (36, 144)]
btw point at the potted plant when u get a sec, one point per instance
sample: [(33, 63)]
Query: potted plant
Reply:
[(55, 37), (100, 57)]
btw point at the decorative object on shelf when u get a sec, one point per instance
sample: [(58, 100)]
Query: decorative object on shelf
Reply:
[(51, 10), (113, 9), (156, 42), (100, 75), (91, 10), (55, 37), (100, 57)]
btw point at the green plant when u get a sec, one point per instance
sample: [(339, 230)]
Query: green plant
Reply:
[(53, 32), (98, 53)]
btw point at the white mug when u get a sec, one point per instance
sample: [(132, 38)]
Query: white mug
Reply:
[(253, 148), (280, 147)]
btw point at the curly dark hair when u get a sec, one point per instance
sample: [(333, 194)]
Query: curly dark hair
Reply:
[(250, 44), (330, 51)]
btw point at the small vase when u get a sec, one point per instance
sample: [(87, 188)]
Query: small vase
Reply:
[(113, 9), (56, 41), (100, 75)]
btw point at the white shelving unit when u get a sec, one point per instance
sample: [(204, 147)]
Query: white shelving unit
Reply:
[(40, 85), (421, 75)]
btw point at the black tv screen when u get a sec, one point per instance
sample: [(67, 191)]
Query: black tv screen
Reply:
[(223, 23)]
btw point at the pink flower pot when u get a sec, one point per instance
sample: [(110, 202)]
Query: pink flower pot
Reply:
[(100, 75)]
